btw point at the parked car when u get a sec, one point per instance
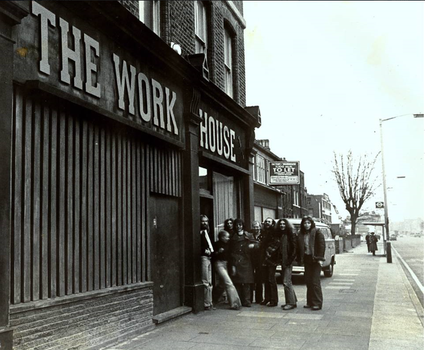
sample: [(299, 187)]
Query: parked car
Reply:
[(330, 261), (393, 237)]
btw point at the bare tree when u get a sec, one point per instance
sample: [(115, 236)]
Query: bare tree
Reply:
[(355, 184)]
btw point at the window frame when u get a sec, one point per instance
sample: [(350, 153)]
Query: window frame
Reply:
[(228, 62), (150, 15), (201, 27)]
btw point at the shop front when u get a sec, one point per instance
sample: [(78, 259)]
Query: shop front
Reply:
[(93, 137), (112, 144)]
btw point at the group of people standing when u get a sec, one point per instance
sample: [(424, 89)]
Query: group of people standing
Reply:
[(245, 262)]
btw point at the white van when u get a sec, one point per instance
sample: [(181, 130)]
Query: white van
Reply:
[(328, 264)]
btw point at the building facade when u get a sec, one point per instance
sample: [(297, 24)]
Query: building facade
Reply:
[(276, 201), (320, 207), (116, 135), (268, 200)]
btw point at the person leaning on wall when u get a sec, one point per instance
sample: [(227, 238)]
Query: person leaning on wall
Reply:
[(206, 252)]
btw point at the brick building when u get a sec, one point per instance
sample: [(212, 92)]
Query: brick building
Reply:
[(268, 201), (276, 201), (116, 133), (320, 207)]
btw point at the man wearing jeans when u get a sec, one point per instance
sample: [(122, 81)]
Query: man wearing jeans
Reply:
[(206, 252)]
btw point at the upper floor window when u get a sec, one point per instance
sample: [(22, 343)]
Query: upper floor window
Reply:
[(149, 14), (201, 32), (260, 169), (228, 52), (296, 197)]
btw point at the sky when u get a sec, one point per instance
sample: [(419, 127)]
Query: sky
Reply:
[(324, 73)]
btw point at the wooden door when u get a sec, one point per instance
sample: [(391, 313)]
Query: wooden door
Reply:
[(167, 253)]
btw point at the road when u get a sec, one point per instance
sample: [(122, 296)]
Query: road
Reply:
[(411, 249)]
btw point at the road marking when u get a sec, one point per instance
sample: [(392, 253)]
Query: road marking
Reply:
[(344, 279), (259, 314), (415, 278)]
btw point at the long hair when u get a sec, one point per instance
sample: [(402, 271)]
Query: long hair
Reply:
[(305, 218), (289, 228), (227, 227)]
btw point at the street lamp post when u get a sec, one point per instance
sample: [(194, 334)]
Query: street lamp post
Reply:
[(384, 183)]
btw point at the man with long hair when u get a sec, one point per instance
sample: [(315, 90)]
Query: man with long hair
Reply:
[(311, 253)]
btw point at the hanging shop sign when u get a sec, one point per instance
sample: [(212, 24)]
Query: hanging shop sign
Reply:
[(285, 173), (77, 59)]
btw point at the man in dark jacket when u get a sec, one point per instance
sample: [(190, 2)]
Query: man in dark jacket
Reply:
[(311, 253), (257, 263), (267, 232)]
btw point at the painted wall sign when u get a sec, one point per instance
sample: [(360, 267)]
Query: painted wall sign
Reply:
[(285, 173), (80, 60), (216, 136)]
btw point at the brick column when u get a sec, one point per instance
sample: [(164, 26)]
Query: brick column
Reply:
[(11, 13)]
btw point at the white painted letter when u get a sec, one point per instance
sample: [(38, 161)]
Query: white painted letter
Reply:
[(170, 112), (211, 133), (68, 54), (90, 44), (158, 98), (46, 17), (226, 142), (144, 96), (123, 83), (203, 128), (219, 135), (232, 139)]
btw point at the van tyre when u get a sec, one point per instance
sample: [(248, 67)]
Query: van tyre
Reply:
[(329, 271)]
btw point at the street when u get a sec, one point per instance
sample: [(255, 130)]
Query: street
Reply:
[(411, 250)]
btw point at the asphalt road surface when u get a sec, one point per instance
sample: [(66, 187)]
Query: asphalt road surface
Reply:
[(411, 249)]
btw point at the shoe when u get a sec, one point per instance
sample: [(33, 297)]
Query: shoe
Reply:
[(316, 308), (264, 302), (246, 305), (235, 308), (288, 307), (307, 306), (272, 304)]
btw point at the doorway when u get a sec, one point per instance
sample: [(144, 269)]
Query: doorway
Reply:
[(167, 250)]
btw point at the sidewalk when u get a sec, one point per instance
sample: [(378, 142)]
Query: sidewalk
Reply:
[(368, 304)]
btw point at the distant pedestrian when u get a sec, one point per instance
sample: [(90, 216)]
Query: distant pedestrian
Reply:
[(256, 257), (311, 253), (288, 252), (373, 243), (206, 253), (221, 257), (241, 245), (267, 232), (367, 238)]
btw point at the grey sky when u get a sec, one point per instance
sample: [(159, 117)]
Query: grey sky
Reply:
[(324, 73)]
